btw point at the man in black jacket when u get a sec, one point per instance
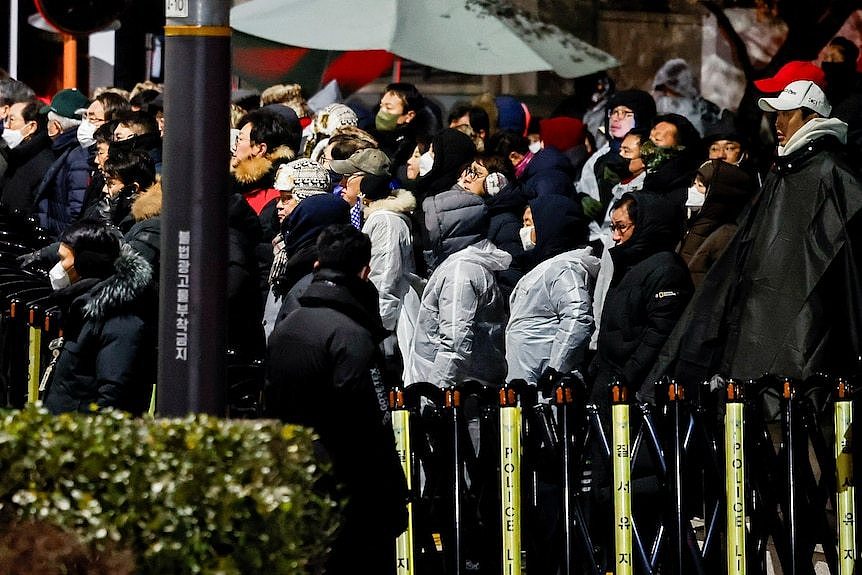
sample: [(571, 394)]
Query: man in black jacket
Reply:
[(649, 290), (321, 356)]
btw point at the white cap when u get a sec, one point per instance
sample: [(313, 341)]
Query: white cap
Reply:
[(798, 94)]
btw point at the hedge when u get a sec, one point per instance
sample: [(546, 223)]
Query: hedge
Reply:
[(192, 495)]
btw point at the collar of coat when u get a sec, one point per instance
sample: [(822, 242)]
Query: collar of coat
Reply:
[(132, 277), (402, 202), (149, 204), (254, 169)]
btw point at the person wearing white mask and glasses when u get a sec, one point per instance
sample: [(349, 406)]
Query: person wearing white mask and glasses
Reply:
[(30, 155)]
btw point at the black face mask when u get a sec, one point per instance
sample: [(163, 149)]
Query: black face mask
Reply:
[(618, 165)]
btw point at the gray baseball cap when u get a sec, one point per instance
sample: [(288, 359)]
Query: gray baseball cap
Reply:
[(368, 161)]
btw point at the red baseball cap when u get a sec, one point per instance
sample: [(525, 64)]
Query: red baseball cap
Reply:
[(791, 72)]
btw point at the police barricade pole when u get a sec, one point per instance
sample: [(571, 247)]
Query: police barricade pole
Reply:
[(847, 544), (404, 560), (622, 488), (452, 403), (35, 320), (17, 345), (792, 446), (510, 478), (431, 490), (675, 396), (734, 454), (564, 399)]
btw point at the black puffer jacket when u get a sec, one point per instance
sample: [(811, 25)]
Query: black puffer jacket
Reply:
[(649, 290), (320, 361), (109, 355), (28, 162)]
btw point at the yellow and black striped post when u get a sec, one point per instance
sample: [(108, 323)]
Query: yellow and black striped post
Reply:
[(510, 479), (404, 561), (34, 354), (734, 463), (622, 469), (846, 489)]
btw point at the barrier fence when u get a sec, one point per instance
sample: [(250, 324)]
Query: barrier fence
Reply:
[(752, 477)]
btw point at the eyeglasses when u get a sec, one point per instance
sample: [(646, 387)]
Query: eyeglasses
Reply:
[(728, 148), (474, 174), (621, 228), (621, 114)]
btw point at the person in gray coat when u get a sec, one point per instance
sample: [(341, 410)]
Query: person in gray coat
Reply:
[(461, 321), (551, 307)]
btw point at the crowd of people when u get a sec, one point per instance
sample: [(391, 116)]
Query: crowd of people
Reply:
[(636, 237)]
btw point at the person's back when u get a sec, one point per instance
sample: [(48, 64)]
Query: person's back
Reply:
[(319, 375)]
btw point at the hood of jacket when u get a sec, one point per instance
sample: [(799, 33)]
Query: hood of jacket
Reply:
[(560, 226), (259, 171), (485, 254), (148, 204), (67, 140), (658, 227), (301, 228), (454, 220), (812, 130), (345, 293), (400, 202), (133, 275)]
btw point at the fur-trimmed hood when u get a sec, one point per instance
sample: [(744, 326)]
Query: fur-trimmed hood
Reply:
[(261, 169), (149, 204), (133, 275), (400, 202)]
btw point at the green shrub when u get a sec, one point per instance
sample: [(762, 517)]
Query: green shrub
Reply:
[(193, 495)]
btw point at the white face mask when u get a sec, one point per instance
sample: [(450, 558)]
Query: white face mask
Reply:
[(526, 238), (85, 134), (695, 198), (535, 147), (59, 277), (12, 137), (426, 162)]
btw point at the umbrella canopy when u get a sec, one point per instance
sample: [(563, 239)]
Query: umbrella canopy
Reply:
[(466, 36)]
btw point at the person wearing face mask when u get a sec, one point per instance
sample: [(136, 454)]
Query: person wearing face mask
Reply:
[(551, 317), (108, 351), (626, 110), (547, 171), (62, 191), (724, 191), (403, 117), (30, 155), (11, 91)]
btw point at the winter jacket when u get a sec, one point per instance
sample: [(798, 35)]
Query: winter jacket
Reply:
[(62, 191), (319, 375), (244, 303), (109, 355), (506, 212), (454, 220), (145, 235), (28, 162), (783, 298), (551, 316), (729, 189), (649, 291), (254, 178), (387, 223), (460, 326)]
